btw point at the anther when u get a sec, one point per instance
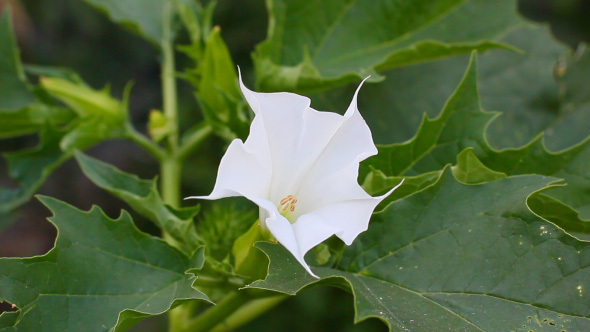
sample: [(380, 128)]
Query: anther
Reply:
[(286, 199), (288, 203)]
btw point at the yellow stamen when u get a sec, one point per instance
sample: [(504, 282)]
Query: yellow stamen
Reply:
[(288, 204)]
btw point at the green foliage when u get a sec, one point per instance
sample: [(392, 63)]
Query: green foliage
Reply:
[(248, 261), (14, 90), (99, 117), (143, 17), (458, 257), (461, 125), (30, 168), (352, 39), (470, 170), (143, 197), (102, 275), (215, 79), (222, 224), (476, 238)]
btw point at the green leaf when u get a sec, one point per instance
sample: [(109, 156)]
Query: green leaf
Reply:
[(102, 275), (521, 85), (376, 183), (560, 214), (33, 118), (55, 72), (312, 45), (461, 116), (218, 94), (101, 117), (471, 171), (84, 100), (569, 127), (247, 260), (143, 17), (458, 257), (462, 124), (7, 321), (29, 168), (143, 197), (91, 131), (468, 169), (14, 92)]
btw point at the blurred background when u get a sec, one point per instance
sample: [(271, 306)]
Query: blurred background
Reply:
[(69, 33)]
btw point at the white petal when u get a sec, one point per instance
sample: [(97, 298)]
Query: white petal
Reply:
[(245, 169), (297, 136), (347, 218), (333, 176), (283, 231)]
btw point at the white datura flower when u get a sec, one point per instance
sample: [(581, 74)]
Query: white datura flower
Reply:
[(300, 166)]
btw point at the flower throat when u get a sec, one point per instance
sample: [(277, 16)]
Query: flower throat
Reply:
[(287, 207)]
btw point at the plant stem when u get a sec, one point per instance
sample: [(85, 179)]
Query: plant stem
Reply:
[(231, 312), (194, 140), (248, 312), (170, 165), (145, 143), (218, 313)]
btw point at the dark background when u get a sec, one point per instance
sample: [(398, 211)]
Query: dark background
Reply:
[(71, 34)]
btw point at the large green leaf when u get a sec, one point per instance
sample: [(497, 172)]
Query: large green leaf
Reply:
[(143, 197), (461, 258), (314, 45), (14, 93), (143, 17), (102, 275), (521, 85), (462, 124)]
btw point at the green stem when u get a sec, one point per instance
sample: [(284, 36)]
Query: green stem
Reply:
[(145, 143), (233, 311), (217, 313), (218, 282), (194, 140), (170, 165), (248, 312)]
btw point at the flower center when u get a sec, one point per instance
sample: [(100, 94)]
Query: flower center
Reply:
[(287, 207)]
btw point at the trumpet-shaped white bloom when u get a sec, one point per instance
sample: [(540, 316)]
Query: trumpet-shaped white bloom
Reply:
[(300, 166)]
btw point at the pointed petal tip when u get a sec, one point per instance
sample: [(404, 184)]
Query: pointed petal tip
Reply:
[(308, 269), (353, 103), (392, 190), (209, 197)]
